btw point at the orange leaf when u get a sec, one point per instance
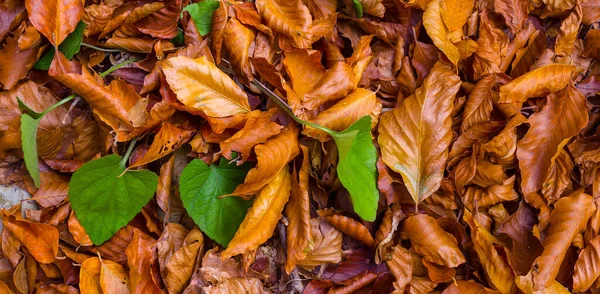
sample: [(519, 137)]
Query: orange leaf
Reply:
[(304, 69), (351, 228), (564, 115), (238, 285), (327, 242), (539, 82), (335, 83), (439, 273), (140, 254), (587, 269), (78, 232), (89, 276), (354, 284), (41, 240), (567, 220), (273, 156), (414, 137), (514, 13), (53, 190), (237, 40), (455, 13), (297, 211), (343, 114), (401, 267), (113, 277), (467, 287), (567, 35), (55, 19), (437, 30), (288, 17), (167, 140), (262, 217), (15, 63), (432, 242), (201, 85), (181, 264), (484, 197), (385, 234), (558, 180), (479, 105), (560, 5), (373, 7)]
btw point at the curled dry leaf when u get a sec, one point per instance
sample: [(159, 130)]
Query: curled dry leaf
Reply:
[(558, 180), (262, 217), (255, 131), (237, 285), (113, 277), (327, 242), (40, 239), (536, 83), (401, 267), (350, 227), (140, 255), (237, 40), (335, 83), (587, 269), (168, 139), (89, 276), (437, 30), (567, 36), (414, 142), (514, 13), (180, 265), (290, 18), (467, 287), (432, 242)]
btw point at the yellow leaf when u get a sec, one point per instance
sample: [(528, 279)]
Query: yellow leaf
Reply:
[(288, 17), (199, 84), (437, 31), (414, 137), (113, 277), (456, 12), (89, 276), (262, 217)]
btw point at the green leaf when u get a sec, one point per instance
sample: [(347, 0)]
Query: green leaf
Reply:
[(358, 7), (69, 47), (357, 167), (105, 196), (179, 39), (201, 186), (201, 13), (29, 127)]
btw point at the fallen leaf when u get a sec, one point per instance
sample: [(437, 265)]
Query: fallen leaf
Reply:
[(401, 267), (536, 83), (113, 277), (437, 30), (41, 240), (169, 138), (327, 242), (351, 228), (237, 285), (179, 267), (140, 254), (290, 18), (44, 15)]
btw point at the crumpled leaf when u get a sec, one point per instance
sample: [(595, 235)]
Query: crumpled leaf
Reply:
[(55, 19), (89, 276), (437, 30), (569, 218), (467, 287), (351, 228), (180, 265), (113, 277), (169, 138), (201, 85), (140, 254), (514, 13), (262, 217), (567, 36), (479, 105), (401, 267), (288, 17), (327, 244), (414, 137), (237, 41), (41, 240), (15, 63), (335, 83), (237, 285), (536, 83), (587, 269), (558, 180), (563, 116), (455, 13), (432, 242), (255, 131)]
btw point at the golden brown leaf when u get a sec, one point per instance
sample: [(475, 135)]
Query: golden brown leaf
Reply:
[(288, 17), (401, 267), (560, 5), (350, 227), (437, 30), (180, 265), (89, 276), (484, 197), (558, 180), (343, 114), (567, 35), (439, 273), (113, 277), (262, 217), (432, 242), (297, 211), (237, 39), (587, 269), (354, 284), (327, 244), (273, 156), (55, 19), (536, 83), (567, 220), (201, 85), (335, 83), (455, 13), (237, 285), (420, 285), (384, 236), (255, 131), (467, 287), (168, 139), (563, 116), (414, 137), (15, 63), (140, 254), (514, 13), (373, 7), (304, 69), (479, 105), (53, 190), (78, 232), (497, 270), (40, 239)]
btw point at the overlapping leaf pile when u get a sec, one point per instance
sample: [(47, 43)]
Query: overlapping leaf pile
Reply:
[(171, 168)]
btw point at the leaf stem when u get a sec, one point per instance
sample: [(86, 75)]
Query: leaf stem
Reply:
[(117, 66), (128, 153), (59, 103), (100, 48)]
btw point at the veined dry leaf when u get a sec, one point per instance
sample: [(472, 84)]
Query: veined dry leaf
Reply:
[(539, 82), (237, 40), (140, 254), (217, 270), (560, 5), (78, 232), (304, 69), (343, 114), (484, 197), (255, 131), (567, 220), (113, 277), (384, 236), (273, 156), (299, 232), (288, 17), (587, 269), (558, 180), (89, 276), (327, 242), (514, 13), (168, 139), (55, 19), (567, 35), (467, 287), (162, 23), (421, 285), (591, 11), (335, 83), (479, 105), (201, 85), (350, 227), (41, 240), (414, 137), (53, 190), (373, 7), (432, 242), (262, 217), (401, 267), (455, 13), (180, 265), (354, 284), (437, 30), (15, 63), (563, 116), (497, 270), (492, 46), (237, 285)]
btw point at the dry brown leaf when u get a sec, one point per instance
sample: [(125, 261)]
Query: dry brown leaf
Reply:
[(255, 131), (288, 17), (78, 232), (168, 139), (514, 13), (335, 83), (350, 227), (180, 265), (437, 30), (15, 63), (536, 83), (567, 36), (201, 85), (237, 285), (113, 277), (384, 236), (467, 287), (40, 239), (432, 242), (558, 180), (455, 13), (262, 217), (55, 19), (89, 276), (560, 5), (140, 255), (484, 197), (237, 40), (479, 105), (327, 242), (401, 267), (587, 269), (414, 142)]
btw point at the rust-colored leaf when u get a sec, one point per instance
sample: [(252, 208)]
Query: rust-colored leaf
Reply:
[(290, 18), (536, 83), (237, 285), (467, 287), (401, 267), (89, 276), (140, 254), (169, 138), (55, 19), (569, 29), (437, 30), (40, 239), (351, 228), (113, 277), (514, 13), (255, 131), (327, 242), (180, 265)]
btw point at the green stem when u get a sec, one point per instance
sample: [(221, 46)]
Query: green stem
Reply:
[(100, 49), (117, 66), (59, 103), (128, 153)]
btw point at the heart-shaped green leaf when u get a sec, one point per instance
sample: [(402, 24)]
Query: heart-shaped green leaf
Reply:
[(201, 186), (105, 196), (201, 13)]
